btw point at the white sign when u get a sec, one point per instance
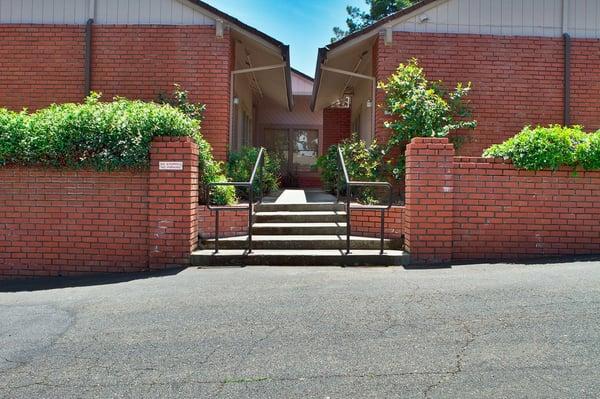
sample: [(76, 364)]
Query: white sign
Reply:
[(177, 165)]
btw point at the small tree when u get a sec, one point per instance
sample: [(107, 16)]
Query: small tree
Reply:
[(420, 108)]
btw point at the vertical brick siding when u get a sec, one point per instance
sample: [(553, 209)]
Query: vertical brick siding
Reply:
[(469, 208), (68, 222), (516, 80), (585, 83), (42, 64), (367, 223), (231, 223), (336, 126), (140, 61)]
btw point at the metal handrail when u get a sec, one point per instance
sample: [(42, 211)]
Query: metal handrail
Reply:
[(258, 167), (349, 184)]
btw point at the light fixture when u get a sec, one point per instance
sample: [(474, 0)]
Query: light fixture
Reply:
[(369, 103), (236, 101)]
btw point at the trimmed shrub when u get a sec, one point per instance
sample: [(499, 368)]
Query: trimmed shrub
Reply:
[(240, 165), (13, 130), (588, 152), (104, 136), (541, 147), (101, 135), (363, 162)]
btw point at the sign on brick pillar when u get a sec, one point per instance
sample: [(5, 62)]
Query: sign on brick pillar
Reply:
[(172, 201), (429, 200)]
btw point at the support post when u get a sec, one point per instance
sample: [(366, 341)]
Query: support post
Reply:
[(429, 200), (172, 202)]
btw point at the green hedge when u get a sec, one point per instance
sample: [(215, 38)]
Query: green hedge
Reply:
[(94, 134), (101, 135), (550, 148)]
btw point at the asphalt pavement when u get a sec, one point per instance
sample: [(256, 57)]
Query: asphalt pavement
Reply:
[(471, 331)]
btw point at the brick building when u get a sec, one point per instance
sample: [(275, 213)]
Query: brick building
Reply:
[(530, 62), (59, 51)]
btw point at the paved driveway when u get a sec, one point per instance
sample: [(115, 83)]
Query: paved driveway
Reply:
[(467, 332)]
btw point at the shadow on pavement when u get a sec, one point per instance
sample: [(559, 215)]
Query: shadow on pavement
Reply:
[(50, 283), (538, 260)]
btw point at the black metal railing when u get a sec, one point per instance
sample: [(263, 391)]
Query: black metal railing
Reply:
[(349, 184), (249, 185)]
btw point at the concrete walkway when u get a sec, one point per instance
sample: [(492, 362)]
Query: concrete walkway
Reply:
[(299, 196)]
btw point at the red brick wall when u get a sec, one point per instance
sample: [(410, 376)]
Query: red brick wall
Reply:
[(368, 223), (42, 64), (67, 222), (55, 222), (516, 80), (337, 126), (501, 212), (231, 223), (461, 208), (140, 61), (585, 83)]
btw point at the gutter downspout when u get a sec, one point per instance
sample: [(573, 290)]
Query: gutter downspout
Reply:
[(567, 66), (88, 58), (567, 81)]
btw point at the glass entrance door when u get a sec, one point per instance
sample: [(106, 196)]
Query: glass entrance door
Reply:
[(276, 141), (297, 149)]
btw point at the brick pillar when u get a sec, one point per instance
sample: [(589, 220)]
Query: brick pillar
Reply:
[(429, 200), (172, 202)]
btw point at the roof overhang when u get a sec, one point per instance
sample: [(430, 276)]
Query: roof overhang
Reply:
[(269, 43), (353, 47)]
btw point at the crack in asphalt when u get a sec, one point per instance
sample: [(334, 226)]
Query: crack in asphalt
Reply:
[(458, 368)]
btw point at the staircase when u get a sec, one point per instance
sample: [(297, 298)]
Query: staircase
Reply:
[(299, 234)]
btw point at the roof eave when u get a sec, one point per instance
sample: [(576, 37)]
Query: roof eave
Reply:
[(247, 29), (285, 52), (322, 56), (218, 14), (382, 22)]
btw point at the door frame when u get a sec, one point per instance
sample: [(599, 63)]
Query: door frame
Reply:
[(290, 128)]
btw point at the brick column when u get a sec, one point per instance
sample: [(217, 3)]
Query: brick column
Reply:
[(172, 202), (429, 200)]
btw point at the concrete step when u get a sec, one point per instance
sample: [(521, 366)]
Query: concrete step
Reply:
[(310, 206), (298, 228), (298, 258), (301, 242), (299, 217)]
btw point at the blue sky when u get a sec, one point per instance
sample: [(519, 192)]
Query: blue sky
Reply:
[(305, 25)]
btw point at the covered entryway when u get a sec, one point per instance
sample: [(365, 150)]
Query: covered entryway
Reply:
[(294, 137)]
